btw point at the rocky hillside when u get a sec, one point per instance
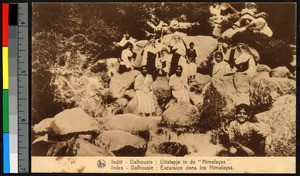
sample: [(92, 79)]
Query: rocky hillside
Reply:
[(104, 120)]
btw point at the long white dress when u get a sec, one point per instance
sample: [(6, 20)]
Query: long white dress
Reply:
[(220, 69), (145, 97), (180, 88)]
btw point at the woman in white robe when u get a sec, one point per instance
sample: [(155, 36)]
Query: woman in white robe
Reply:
[(145, 97), (178, 49), (244, 61), (150, 57)]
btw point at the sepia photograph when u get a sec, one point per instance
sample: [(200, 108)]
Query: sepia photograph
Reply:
[(172, 80)]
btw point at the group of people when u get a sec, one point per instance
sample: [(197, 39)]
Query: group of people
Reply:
[(176, 62), (248, 18), (238, 59), (158, 60)]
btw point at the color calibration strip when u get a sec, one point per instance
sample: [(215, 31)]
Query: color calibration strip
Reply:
[(10, 87), (5, 96)]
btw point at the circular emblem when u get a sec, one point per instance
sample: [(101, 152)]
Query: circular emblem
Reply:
[(101, 163)]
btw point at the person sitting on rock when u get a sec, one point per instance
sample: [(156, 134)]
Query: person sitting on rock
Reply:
[(192, 66), (179, 86), (126, 38), (244, 61), (221, 67), (145, 97), (150, 57), (248, 138), (126, 59)]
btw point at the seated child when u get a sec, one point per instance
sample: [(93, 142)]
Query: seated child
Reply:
[(248, 138), (221, 67)]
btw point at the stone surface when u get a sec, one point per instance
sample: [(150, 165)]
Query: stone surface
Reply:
[(181, 114), (221, 98), (122, 102), (115, 140), (121, 82), (282, 119), (280, 72), (202, 50), (264, 91), (84, 148), (131, 123), (69, 121), (43, 126)]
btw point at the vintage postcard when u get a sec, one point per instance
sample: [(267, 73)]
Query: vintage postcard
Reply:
[(161, 87)]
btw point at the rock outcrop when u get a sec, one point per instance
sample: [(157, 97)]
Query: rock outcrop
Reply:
[(282, 119), (221, 98), (117, 140), (131, 123), (121, 82), (69, 121), (264, 91), (84, 148), (280, 72), (181, 114)]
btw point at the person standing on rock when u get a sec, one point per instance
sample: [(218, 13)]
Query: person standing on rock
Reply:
[(145, 97), (221, 67), (178, 50), (192, 66), (126, 59), (150, 58), (179, 86), (248, 138)]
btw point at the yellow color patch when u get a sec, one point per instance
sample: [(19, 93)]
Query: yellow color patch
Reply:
[(5, 67)]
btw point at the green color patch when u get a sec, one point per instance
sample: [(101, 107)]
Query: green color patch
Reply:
[(5, 111)]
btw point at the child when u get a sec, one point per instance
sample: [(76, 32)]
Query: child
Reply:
[(165, 62), (246, 138), (192, 66), (221, 67)]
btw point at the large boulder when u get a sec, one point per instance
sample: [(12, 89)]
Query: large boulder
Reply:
[(69, 121), (121, 82), (122, 102), (84, 148), (117, 140), (264, 91), (280, 72), (131, 123), (262, 71), (220, 99), (282, 119), (202, 50), (181, 114)]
